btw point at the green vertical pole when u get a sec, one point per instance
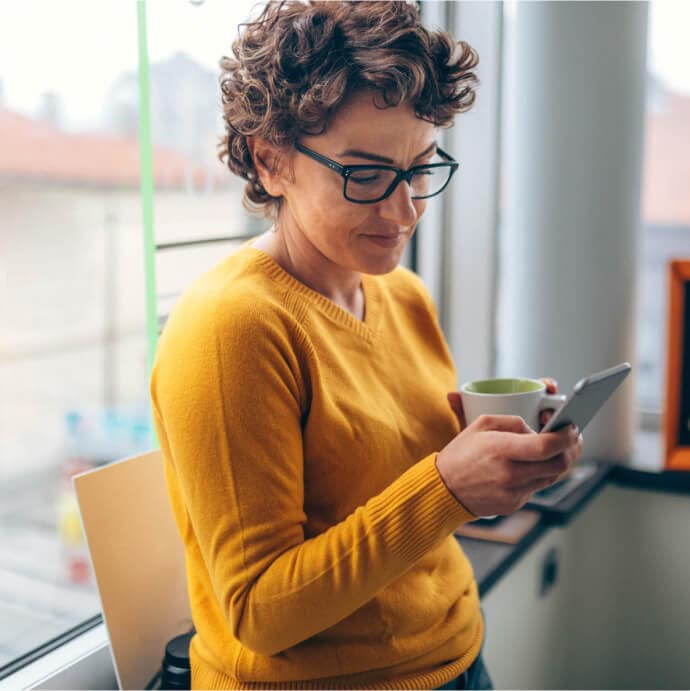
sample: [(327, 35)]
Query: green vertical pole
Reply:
[(146, 170)]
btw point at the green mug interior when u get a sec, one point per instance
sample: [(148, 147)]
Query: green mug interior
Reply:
[(504, 386)]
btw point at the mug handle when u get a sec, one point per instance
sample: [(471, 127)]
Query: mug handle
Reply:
[(551, 401)]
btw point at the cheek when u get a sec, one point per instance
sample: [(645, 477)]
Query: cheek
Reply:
[(330, 221), (344, 218), (321, 196), (328, 205)]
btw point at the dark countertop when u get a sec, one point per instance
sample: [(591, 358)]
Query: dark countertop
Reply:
[(492, 560)]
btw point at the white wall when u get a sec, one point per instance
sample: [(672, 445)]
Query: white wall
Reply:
[(618, 616)]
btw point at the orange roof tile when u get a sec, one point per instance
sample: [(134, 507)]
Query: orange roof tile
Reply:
[(36, 150)]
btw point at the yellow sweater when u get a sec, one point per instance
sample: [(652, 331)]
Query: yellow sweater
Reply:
[(300, 447)]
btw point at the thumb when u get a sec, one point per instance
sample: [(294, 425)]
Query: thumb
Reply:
[(455, 401), (506, 423)]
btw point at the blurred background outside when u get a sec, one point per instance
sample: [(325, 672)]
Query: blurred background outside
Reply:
[(73, 361)]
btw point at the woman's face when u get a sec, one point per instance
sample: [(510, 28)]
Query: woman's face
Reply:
[(316, 213)]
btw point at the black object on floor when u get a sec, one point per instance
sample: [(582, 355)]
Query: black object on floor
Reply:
[(176, 670)]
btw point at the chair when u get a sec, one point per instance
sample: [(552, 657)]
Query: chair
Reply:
[(138, 562)]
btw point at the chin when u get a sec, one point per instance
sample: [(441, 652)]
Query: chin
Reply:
[(377, 266)]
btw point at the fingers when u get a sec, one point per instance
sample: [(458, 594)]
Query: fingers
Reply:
[(455, 401), (534, 486), (551, 387), (551, 384), (523, 474), (545, 415), (545, 473), (539, 447), (521, 482), (503, 423)]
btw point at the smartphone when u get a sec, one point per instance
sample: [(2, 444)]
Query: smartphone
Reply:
[(588, 395)]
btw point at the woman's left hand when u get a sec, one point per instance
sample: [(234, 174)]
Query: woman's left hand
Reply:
[(455, 401)]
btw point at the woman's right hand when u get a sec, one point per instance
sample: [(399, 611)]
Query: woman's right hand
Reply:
[(495, 464)]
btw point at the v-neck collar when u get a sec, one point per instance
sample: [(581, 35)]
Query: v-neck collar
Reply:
[(366, 328)]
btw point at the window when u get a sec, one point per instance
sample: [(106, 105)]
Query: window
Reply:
[(457, 236), (665, 191), (73, 363), (73, 351)]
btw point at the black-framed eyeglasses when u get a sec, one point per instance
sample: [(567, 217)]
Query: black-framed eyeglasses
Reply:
[(370, 183)]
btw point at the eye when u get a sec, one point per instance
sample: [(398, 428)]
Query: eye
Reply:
[(365, 178)]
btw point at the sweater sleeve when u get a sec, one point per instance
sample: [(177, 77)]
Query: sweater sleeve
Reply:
[(228, 398)]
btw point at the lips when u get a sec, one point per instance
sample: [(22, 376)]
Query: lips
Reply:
[(395, 236), (389, 241)]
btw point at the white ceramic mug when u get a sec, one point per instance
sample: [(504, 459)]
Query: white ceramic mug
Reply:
[(524, 397)]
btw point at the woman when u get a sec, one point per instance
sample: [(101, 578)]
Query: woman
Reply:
[(315, 467)]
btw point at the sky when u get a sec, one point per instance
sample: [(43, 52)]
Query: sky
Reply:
[(668, 52), (78, 47)]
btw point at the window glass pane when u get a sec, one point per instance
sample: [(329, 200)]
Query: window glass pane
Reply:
[(186, 41), (72, 355), (73, 365), (666, 188)]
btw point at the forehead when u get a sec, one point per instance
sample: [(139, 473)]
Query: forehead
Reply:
[(358, 121)]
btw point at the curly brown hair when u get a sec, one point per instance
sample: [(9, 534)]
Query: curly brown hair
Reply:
[(296, 63)]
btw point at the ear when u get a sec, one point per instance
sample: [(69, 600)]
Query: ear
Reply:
[(270, 166)]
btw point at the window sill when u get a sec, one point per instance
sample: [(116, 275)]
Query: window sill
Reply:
[(82, 663)]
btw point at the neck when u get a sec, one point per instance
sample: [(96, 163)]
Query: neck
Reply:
[(294, 253)]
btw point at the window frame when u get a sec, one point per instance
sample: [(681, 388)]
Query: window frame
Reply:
[(459, 257)]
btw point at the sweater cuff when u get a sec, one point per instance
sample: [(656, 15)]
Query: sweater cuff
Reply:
[(417, 512)]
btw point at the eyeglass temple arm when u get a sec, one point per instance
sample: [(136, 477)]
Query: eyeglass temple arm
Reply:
[(445, 155), (333, 165)]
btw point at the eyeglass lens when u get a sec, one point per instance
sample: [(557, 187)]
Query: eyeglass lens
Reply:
[(372, 183)]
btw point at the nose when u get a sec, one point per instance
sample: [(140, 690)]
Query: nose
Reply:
[(398, 207)]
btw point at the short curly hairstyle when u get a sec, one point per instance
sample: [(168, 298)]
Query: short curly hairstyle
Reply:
[(298, 61)]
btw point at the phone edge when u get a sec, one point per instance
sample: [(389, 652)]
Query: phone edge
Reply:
[(622, 368)]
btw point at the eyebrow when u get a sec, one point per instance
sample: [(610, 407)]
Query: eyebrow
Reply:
[(381, 159)]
